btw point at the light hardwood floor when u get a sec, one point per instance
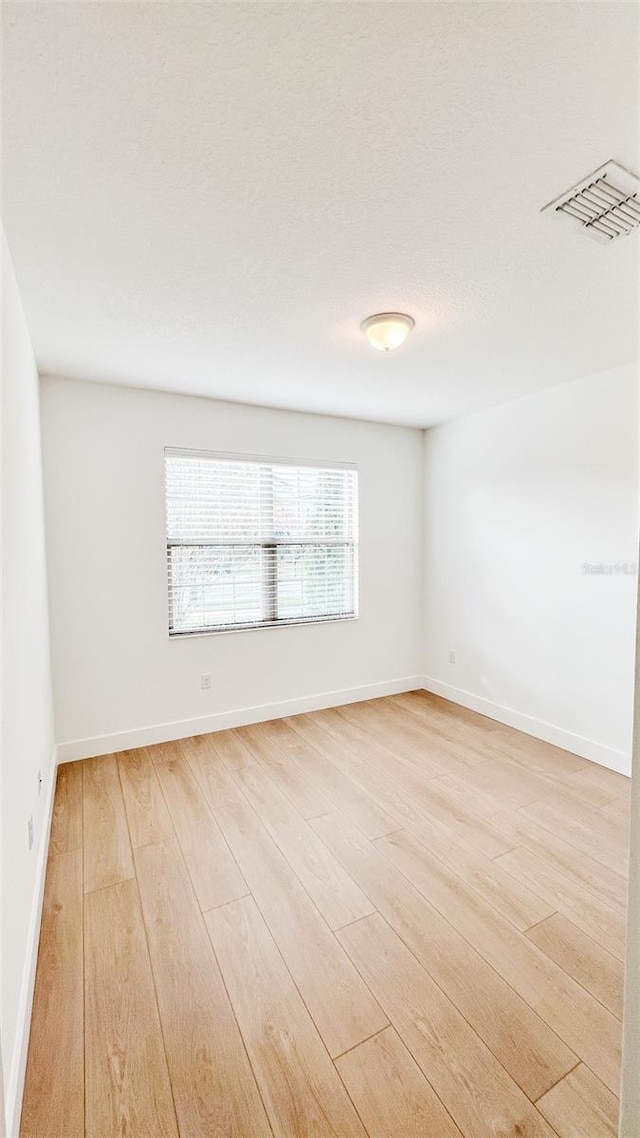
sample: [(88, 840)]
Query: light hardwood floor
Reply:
[(396, 919)]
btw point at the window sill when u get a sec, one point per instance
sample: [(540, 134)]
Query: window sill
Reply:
[(262, 627)]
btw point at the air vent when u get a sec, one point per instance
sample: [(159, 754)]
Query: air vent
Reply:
[(606, 204)]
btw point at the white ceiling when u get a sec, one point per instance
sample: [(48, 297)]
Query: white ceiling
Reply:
[(209, 198)]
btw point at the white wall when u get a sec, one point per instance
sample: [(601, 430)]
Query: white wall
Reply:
[(115, 669), (517, 499), (27, 719), (630, 1091)]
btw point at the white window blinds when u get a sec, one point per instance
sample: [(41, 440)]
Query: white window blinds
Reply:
[(254, 542)]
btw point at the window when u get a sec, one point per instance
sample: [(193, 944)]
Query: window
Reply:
[(253, 543)]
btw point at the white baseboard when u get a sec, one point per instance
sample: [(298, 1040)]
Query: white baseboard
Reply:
[(221, 721), (588, 749), (15, 1084)]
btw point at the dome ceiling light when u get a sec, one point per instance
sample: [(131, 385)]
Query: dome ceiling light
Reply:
[(387, 330)]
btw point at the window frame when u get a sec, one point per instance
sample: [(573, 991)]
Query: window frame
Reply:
[(278, 622)]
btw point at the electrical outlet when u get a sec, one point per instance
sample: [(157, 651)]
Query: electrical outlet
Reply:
[(452, 657), (30, 830), (205, 681)]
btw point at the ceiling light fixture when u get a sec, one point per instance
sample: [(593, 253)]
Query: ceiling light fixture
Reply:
[(387, 330)]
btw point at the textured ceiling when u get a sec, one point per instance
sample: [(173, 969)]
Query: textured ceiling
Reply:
[(209, 198)]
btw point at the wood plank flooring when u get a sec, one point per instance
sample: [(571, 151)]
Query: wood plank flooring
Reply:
[(396, 919)]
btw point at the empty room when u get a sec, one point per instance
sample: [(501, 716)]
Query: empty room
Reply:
[(319, 535)]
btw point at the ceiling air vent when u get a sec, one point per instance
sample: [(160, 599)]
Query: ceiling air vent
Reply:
[(606, 203)]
